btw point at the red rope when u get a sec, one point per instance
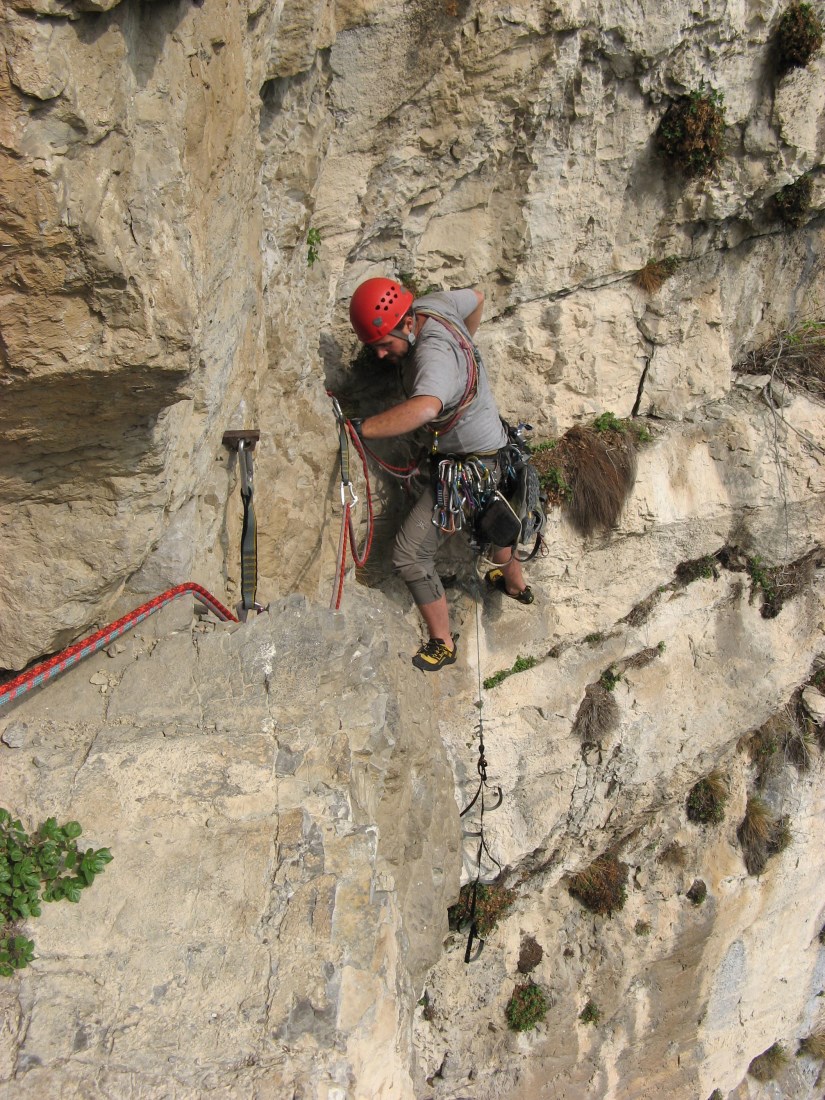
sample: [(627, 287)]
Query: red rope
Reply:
[(361, 559), (47, 670)]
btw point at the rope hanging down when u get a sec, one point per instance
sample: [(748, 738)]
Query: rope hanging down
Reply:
[(48, 670), (479, 796)]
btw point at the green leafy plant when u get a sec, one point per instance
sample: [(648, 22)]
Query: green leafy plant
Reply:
[(601, 887), (609, 678), (641, 431), (542, 448), (793, 202), (553, 481), (16, 952), (608, 422), (492, 902), (642, 928), (44, 866), (707, 798), (655, 274), (522, 664), (798, 36), (313, 246), (692, 131), (527, 1007), (591, 1013), (767, 1065)]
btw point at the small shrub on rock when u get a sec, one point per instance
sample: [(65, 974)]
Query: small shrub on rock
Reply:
[(692, 131), (767, 1065), (601, 887), (492, 902), (591, 1013), (793, 202), (706, 800), (798, 36), (527, 1007), (642, 928)]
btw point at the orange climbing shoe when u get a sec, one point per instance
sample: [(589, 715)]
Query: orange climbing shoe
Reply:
[(434, 655)]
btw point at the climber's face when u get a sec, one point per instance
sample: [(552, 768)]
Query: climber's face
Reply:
[(392, 349)]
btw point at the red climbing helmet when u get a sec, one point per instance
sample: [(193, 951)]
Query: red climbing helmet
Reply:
[(376, 308)]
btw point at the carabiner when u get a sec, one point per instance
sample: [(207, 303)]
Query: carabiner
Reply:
[(353, 496)]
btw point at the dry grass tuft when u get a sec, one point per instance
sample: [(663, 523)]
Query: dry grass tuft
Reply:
[(655, 274), (601, 887), (638, 660), (761, 835), (754, 833), (795, 356), (597, 715), (767, 1065), (590, 475), (604, 475), (641, 612), (784, 739), (674, 855), (813, 1045)]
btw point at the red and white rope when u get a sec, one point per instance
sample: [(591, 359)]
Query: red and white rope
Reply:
[(47, 670)]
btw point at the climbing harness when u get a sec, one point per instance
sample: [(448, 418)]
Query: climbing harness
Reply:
[(243, 442), (480, 798), (48, 670), (349, 499)]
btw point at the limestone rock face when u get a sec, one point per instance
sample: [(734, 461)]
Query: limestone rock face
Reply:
[(281, 797), (281, 869)]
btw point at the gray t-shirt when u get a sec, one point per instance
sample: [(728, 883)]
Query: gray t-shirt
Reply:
[(437, 367)]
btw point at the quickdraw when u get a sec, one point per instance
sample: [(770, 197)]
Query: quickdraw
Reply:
[(462, 488)]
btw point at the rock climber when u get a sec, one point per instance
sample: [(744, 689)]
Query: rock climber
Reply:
[(446, 390)]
